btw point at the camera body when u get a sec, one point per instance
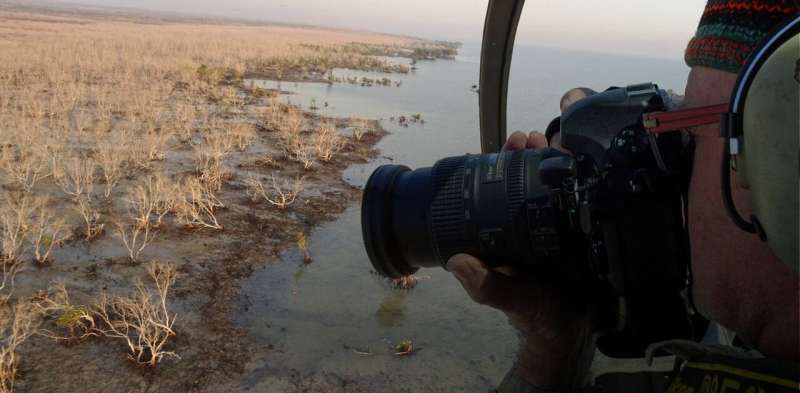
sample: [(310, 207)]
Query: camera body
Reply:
[(606, 221), (629, 196)]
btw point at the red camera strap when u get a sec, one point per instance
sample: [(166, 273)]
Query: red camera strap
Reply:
[(661, 122)]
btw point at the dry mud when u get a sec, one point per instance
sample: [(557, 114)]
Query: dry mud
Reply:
[(214, 353)]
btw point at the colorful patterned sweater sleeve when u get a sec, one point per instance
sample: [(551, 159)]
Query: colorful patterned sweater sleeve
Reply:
[(730, 29)]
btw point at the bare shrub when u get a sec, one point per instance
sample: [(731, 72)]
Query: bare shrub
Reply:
[(197, 205), (10, 271), (163, 194), (327, 141), (281, 195), (273, 117), (155, 143), (242, 135), (17, 324), (302, 151), (360, 128), (26, 166), (292, 124), (135, 237), (111, 156), (213, 174), (219, 139), (232, 100), (148, 205), (102, 102), (91, 218), (210, 155), (210, 76), (76, 320), (295, 146), (141, 101), (147, 143), (47, 231), (76, 177), (151, 201), (14, 227), (142, 320), (138, 156), (185, 114)]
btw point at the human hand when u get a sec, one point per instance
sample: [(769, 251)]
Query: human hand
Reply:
[(556, 329)]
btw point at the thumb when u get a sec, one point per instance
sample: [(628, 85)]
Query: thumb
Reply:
[(484, 286)]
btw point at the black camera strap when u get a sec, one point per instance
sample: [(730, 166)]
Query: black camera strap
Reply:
[(662, 122)]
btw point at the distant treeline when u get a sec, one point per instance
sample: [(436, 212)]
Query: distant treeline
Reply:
[(420, 50)]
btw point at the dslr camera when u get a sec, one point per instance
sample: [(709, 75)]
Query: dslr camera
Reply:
[(606, 221)]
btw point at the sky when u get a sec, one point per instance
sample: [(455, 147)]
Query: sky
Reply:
[(654, 28)]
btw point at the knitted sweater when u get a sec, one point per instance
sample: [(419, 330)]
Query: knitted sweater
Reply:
[(730, 30)]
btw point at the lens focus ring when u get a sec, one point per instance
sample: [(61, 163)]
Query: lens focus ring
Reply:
[(515, 186), (447, 208)]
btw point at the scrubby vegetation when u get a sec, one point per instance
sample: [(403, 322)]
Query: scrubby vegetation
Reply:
[(125, 142), (141, 319), (18, 322), (420, 50), (324, 59)]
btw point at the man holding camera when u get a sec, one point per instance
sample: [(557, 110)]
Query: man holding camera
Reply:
[(738, 281)]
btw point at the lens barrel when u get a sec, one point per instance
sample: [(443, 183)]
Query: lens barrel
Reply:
[(494, 206)]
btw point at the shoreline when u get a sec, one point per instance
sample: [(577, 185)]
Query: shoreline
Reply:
[(187, 119)]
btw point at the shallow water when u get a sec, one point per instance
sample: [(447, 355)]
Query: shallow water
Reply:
[(317, 317)]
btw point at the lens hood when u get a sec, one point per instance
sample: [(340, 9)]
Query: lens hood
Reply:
[(377, 226)]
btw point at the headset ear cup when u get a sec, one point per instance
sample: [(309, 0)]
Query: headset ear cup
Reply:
[(766, 131)]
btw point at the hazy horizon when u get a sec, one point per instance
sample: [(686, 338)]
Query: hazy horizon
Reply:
[(646, 27)]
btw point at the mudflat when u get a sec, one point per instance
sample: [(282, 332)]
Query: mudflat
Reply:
[(141, 178)]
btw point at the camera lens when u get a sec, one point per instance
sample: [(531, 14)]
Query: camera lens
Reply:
[(493, 206), (394, 218)]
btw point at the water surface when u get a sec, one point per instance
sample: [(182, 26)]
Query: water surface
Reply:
[(325, 317)]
